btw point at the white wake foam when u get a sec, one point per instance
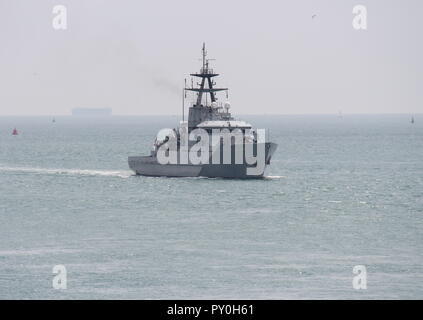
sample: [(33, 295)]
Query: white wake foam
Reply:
[(274, 177), (84, 172)]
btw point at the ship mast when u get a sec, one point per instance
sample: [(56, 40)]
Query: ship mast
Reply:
[(206, 74)]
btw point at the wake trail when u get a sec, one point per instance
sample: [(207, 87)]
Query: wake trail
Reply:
[(82, 172)]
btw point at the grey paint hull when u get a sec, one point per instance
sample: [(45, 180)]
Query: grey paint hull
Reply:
[(148, 166)]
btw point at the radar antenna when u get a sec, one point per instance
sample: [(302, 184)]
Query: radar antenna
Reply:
[(205, 73)]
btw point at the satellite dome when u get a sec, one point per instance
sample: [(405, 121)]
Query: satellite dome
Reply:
[(227, 104)]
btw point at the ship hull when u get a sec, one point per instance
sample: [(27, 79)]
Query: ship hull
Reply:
[(148, 166)]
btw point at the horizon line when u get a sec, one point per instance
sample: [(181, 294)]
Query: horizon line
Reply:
[(178, 115)]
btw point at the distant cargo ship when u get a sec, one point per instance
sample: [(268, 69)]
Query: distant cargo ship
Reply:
[(91, 112)]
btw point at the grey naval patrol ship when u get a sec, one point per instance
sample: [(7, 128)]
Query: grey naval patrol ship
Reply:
[(209, 116)]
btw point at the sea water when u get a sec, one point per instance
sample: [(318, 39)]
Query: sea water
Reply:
[(340, 192)]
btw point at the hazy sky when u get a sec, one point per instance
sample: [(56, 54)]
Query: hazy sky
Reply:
[(133, 56)]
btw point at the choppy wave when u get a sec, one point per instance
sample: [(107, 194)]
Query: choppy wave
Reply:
[(83, 172)]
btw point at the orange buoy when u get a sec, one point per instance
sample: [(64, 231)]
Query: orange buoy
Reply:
[(15, 132)]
